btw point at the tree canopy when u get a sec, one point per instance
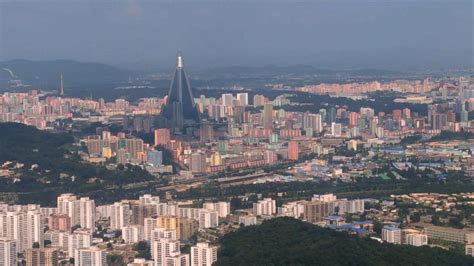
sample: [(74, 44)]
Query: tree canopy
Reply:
[(287, 241), (58, 170)]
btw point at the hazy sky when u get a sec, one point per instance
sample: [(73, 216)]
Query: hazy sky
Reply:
[(393, 34)]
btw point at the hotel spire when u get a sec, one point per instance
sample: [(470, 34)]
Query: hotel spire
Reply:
[(180, 108)]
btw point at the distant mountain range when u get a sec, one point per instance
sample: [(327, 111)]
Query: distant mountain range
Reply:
[(46, 74), (298, 70), (14, 74)]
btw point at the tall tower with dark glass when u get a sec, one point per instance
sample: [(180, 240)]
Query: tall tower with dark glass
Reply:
[(180, 109)]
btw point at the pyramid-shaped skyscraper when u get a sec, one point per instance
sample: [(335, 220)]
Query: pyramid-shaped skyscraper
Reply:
[(180, 109)]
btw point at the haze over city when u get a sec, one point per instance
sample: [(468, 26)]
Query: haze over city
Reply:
[(145, 35), (222, 133)]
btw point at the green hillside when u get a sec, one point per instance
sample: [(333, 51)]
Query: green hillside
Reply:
[(286, 241), (56, 169)]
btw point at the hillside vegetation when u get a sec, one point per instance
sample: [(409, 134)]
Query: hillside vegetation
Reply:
[(55, 169), (287, 241)]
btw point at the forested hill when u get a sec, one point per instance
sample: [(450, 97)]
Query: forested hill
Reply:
[(26, 144), (286, 241), (50, 168), (46, 74)]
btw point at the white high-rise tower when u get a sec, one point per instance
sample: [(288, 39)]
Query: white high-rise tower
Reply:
[(62, 85)]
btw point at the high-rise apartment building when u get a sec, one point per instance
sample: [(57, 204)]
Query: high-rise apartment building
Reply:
[(197, 163), (67, 204), (392, 234), (90, 256), (178, 260), (227, 99), (397, 114), (95, 145), (140, 211), (353, 119), (414, 237), (159, 233), (313, 121), (203, 254), (222, 208), (165, 248), (80, 238), (343, 206), (315, 211), (258, 100), (42, 256), (216, 159), (167, 252), (26, 227), (149, 224), (162, 136), (336, 129), (120, 215), (133, 233), (148, 199), (243, 99), (206, 133), (121, 157), (169, 222), (331, 116), (266, 206), (293, 150), (208, 219), (86, 213), (80, 211), (155, 158), (352, 145), (373, 125), (268, 115), (187, 228), (8, 252), (133, 146), (35, 229)]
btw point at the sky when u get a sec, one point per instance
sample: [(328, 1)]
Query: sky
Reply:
[(336, 34)]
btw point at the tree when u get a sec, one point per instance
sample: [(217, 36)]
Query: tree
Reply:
[(115, 260), (455, 222), (143, 250), (435, 220), (416, 217), (235, 203)]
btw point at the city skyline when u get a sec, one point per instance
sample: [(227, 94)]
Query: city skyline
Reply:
[(106, 174), (325, 132)]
